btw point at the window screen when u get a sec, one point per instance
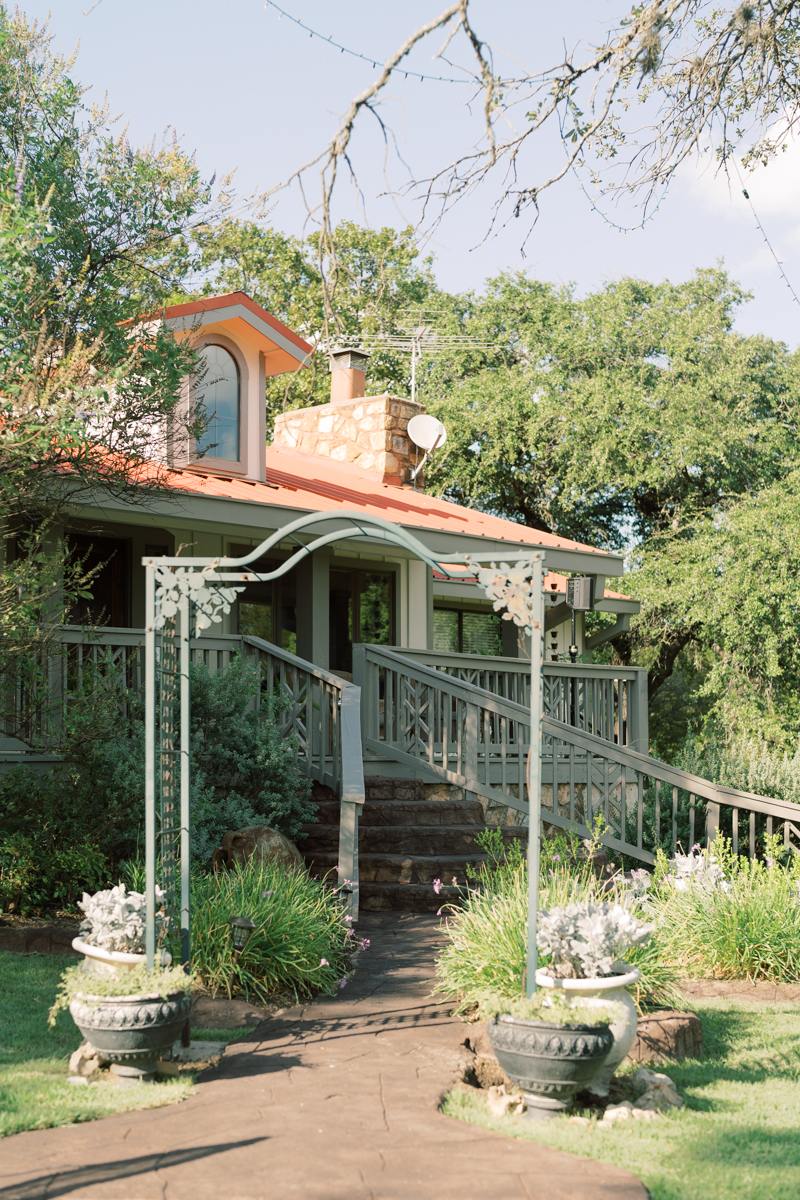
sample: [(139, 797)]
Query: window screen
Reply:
[(457, 632)]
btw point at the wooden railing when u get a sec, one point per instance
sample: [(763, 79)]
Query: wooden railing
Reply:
[(323, 713), (320, 711), (442, 728), (439, 726), (610, 702)]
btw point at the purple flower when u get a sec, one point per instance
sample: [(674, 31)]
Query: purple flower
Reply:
[(350, 933), (770, 862), (343, 982), (348, 918), (364, 943), (437, 886), (271, 892), (439, 912), (455, 882), (323, 962), (696, 846), (556, 858)]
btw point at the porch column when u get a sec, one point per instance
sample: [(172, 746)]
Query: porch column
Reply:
[(420, 605), (313, 609)]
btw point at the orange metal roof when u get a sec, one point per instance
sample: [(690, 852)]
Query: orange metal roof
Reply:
[(211, 303), (310, 482)]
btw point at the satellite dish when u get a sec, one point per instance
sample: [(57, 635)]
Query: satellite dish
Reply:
[(426, 432)]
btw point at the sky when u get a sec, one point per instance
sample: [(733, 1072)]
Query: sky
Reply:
[(249, 91)]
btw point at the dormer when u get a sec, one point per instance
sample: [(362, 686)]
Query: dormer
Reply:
[(240, 344)]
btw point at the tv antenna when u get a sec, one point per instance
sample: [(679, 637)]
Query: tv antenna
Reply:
[(428, 433)]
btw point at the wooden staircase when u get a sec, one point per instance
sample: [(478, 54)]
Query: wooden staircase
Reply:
[(405, 843)]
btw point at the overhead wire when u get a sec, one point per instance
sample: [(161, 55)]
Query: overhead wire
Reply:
[(375, 62), (761, 230)]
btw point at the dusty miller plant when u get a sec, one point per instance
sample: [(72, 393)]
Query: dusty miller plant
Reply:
[(115, 919), (696, 870), (586, 940)]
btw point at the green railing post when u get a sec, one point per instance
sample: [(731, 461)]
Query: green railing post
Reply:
[(150, 765), (535, 769)]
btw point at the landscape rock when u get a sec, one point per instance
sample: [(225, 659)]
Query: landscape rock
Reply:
[(500, 1103), (659, 1098), (644, 1079), (667, 1035), (78, 1081), (655, 1091), (87, 1060), (620, 1112), (218, 1012), (259, 843)]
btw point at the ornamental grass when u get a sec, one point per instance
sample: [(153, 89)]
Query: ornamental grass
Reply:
[(486, 936), (746, 927), (300, 945)]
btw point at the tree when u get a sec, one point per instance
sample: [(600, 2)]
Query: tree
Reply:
[(672, 79), (619, 416), (376, 285), (730, 586), (87, 392)]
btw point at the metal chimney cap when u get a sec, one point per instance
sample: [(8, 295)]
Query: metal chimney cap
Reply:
[(344, 358)]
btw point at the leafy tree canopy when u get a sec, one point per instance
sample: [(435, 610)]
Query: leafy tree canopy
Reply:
[(620, 415)]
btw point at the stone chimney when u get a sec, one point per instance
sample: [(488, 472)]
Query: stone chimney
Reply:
[(368, 431)]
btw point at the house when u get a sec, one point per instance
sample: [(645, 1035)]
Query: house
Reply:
[(442, 708), (353, 453)]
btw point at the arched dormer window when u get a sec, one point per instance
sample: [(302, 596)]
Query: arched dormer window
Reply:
[(219, 396)]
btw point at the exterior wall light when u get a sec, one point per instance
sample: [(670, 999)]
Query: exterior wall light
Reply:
[(241, 932)]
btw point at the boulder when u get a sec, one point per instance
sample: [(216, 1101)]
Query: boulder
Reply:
[(655, 1091), (667, 1035), (259, 843)]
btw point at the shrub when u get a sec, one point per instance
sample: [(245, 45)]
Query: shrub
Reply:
[(87, 815), (301, 942), (46, 873)]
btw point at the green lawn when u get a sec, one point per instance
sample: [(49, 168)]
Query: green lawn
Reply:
[(34, 1092), (738, 1137)]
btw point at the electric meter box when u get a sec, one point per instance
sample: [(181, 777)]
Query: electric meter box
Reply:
[(580, 593)]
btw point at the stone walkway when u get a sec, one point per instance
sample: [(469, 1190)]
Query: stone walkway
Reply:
[(336, 1100)]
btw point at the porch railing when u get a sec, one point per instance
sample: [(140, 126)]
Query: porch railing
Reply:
[(323, 713), (610, 702), (443, 728), (318, 709)]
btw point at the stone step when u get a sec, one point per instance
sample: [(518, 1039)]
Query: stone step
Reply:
[(400, 868), (404, 812), (406, 897), (413, 840), (378, 788)]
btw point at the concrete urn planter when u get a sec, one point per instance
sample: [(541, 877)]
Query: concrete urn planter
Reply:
[(549, 1062), (112, 962), (131, 1031), (106, 962), (599, 991)]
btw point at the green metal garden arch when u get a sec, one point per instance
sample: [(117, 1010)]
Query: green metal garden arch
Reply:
[(180, 592)]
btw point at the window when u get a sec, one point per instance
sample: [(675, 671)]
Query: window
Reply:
[(218, 398), (268, 610), (457, 632), (361, 610), (108, 601)]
